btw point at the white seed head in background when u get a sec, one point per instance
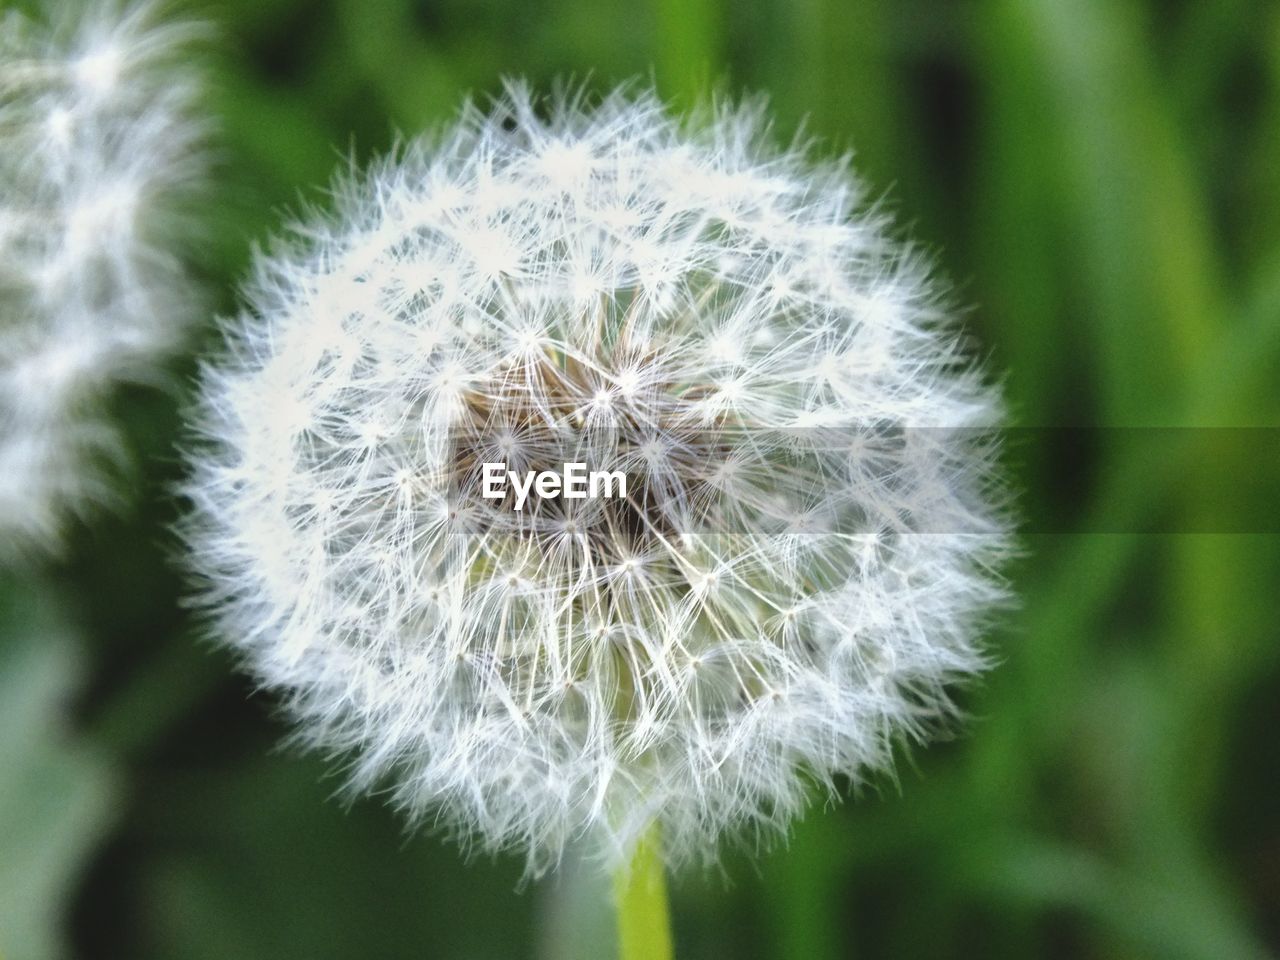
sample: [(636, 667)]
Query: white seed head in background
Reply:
[(560, 280), (99, 152)]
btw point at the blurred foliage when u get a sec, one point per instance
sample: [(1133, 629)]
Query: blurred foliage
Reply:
[(57, 796), (1101, 178)]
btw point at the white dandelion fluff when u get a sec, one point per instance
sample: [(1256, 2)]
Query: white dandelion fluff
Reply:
[(99, 151), (803, 558)]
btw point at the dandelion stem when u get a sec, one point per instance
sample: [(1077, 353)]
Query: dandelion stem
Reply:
[(640, 892)]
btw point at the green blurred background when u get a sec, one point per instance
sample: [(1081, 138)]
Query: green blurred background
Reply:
[(1101, 178)]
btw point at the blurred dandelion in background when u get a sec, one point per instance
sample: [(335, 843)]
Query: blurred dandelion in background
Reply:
[(101, 147)]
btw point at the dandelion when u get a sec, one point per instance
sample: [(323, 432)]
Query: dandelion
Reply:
[(802, 562), (99, 151)]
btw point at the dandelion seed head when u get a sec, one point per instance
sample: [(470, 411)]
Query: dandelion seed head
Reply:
[(557, 280), (101, 150)]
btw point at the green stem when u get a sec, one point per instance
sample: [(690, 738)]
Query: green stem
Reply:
[(640, 892)]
